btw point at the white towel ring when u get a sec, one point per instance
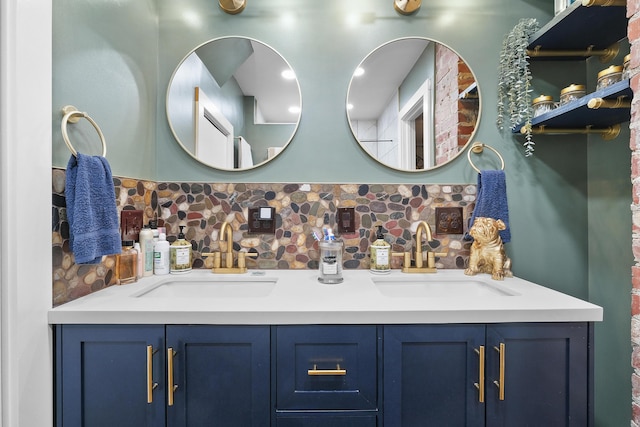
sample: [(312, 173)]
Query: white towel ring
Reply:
[(477, 148), (71, 114)]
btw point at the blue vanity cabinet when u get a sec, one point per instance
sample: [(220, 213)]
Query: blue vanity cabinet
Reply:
[(544, 373), (103, 374), (119, 375), (537, 374), (430, 375), (471, 375), (326, 375), (220, 375)]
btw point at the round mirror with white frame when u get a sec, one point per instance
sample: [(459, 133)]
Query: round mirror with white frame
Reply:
[(413, 104), (233, 103)]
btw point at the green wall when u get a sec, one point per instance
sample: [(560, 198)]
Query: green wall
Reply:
[(569, 204), (105, 60), (610, 260)]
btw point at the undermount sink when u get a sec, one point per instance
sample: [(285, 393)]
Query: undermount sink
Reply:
[(215, 287), (435, 287)]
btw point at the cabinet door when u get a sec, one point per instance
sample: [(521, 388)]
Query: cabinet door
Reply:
[(103, 378), (430, 372), (222, 375), (544, 375)]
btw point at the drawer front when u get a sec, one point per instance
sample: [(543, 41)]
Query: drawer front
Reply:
[(326, 367), (318, 420)]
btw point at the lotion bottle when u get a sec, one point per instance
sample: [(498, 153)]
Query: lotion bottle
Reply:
[(161, 256), (380, 254), (146, 247), (140, 266), (180, 255)]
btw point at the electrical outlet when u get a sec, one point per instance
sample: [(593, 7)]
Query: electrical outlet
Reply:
[(262, 220), (346, 220), (449, 221), (130, 224)]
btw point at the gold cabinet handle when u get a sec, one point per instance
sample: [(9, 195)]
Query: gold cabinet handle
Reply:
[(171, 386), (150, 384), (500, 382), (325, 372), (480, 384)]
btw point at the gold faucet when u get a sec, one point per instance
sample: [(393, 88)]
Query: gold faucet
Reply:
[(226, 234), (423, 228), (422, 225)]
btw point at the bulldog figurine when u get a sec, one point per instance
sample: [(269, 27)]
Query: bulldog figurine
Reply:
[(487, 250)]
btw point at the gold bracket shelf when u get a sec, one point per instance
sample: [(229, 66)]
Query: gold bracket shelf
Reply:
[(605, 55), (620, 102), (589, 3), (607, 133)]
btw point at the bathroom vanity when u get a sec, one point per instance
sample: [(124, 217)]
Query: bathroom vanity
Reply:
[(282, 349)]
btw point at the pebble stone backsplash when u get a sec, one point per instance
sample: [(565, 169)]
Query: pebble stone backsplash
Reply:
[(300, 208)]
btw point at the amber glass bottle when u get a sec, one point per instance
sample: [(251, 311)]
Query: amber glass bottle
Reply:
[(127, 264)]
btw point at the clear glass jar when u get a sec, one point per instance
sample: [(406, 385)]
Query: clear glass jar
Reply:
[(626, 72), (572, 93), (609, 76), (542, 104), (330, 261)]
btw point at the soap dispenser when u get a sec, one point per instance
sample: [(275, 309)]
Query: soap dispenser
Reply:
[(380, 254), (180, 255)]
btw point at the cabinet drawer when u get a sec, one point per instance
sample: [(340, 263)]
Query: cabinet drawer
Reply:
[(326, 367), (316, 420)]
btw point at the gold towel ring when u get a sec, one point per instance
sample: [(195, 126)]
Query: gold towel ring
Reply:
[(71, 114), (477, 148)]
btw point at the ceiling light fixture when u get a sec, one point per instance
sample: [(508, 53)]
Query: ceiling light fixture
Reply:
[(232, 7), (406, 7)]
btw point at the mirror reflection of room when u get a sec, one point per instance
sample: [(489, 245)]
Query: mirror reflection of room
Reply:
[(413, 104), (233, 103)]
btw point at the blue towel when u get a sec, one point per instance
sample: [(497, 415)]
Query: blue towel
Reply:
[(91, 209), (491, 200)]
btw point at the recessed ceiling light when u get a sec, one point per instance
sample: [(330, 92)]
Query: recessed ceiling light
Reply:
[(358, 72), (349, 106), (288, 74), (294, 109)]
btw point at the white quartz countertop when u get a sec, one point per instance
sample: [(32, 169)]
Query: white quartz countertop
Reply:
[(297, 297)]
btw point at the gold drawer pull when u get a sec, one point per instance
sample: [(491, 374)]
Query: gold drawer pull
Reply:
[(320, 372), (151, 385), (500, 382), (480, 384), (171, 387)]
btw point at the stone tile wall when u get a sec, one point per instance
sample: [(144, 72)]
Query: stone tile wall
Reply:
[(300, 208)]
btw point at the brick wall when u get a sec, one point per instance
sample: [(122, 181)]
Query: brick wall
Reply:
[(468, 108), (633, 12), (455, 118), (446, 104)]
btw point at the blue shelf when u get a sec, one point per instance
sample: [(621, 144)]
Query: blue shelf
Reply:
[(578, 27), (577, 114)]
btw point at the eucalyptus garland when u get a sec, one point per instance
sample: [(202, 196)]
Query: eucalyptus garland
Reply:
[(514, 82)]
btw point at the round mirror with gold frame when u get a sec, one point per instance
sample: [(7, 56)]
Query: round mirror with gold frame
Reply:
[(233, 103), (413, 104)]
